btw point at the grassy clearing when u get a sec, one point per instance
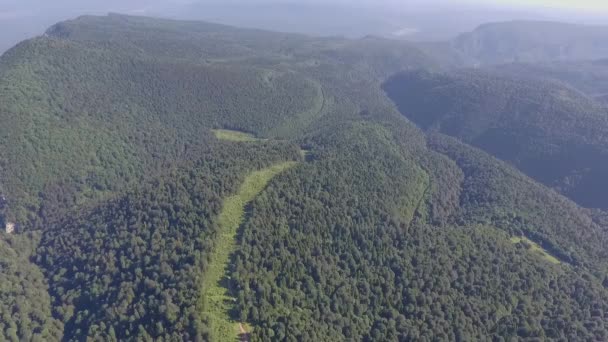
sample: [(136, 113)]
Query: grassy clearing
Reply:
[(533, 247), (424, 187), (238, 136), (217, 299)]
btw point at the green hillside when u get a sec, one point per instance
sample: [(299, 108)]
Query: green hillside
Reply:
[(25, 303), (126, 154), (590, 77), (551, 132), (217, 290), (88, 120)]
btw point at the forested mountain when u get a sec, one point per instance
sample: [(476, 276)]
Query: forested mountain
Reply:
[(532, 41), (127, 144), (25, 306), (589, 76), (551, 132)]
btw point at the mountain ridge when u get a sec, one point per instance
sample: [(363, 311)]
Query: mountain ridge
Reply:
[(532, 41)]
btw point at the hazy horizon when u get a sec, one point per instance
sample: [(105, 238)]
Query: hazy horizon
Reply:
[(413, 19)]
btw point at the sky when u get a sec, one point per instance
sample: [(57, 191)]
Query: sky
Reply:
[(14, 7), (10, 9), (566, 4)]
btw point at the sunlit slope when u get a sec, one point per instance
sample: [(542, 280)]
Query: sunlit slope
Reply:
[(92, 118), (217, 295)]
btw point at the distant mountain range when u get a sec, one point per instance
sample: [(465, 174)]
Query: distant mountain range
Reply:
[(532, 41)]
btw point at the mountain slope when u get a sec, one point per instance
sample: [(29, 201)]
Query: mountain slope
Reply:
[(88, 118), (25, 304), (551, 132), (131, 267), (371, 275), (590, 77)]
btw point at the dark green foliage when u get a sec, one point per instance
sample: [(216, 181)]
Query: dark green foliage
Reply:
[(333, 267), (338, 265), (92, 119), (384, 232), (589, 77), (25, 305), (552, 133), (494, 193), (131, 267), (81, 103)]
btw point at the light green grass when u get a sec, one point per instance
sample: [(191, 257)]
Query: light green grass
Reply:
[(216, 297), (536, 249), (238, 136)]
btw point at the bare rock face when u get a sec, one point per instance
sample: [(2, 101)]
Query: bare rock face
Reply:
[(10, 228)]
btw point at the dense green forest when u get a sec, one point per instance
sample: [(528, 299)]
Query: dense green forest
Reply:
[(588, 76), (92, 138), (131, 267), (550, 131), (377, 276), (126, 155), (25, 304)]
